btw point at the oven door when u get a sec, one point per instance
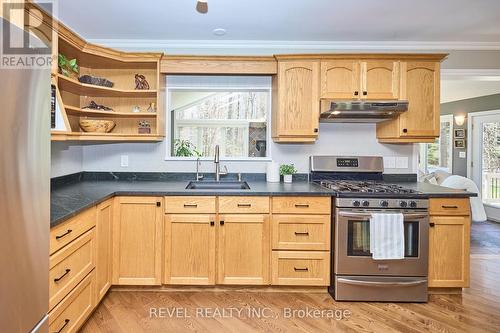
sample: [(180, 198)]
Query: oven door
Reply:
[(352, 245)]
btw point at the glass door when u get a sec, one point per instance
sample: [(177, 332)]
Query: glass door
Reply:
[(485, 164)]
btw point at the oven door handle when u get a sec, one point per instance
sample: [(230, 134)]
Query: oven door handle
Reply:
[(381, 284), (368, 216)]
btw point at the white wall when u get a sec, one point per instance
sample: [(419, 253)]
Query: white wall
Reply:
[(65, 159), (334, 139)]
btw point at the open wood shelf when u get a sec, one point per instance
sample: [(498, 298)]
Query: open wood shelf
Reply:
[(83, 89), (123, 137), (75, 111)]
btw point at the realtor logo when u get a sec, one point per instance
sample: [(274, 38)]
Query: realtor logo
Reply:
[(29, 47)]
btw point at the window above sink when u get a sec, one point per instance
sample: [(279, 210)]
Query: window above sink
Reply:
[(231, 111)]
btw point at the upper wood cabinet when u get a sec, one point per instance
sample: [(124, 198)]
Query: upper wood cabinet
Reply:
[(296, 101), (104, 247), (420, 86), (137, 240), (355, 79)]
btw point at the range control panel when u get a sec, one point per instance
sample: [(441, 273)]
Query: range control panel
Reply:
[(347, 163)]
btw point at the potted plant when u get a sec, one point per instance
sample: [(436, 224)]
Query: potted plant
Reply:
[(185, 148), (287, 171), (67, 67)]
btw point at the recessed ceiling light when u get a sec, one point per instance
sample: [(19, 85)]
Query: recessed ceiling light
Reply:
[(202, 6), (219, 32)]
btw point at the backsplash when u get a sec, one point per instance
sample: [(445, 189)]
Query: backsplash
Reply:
[(334, 139)]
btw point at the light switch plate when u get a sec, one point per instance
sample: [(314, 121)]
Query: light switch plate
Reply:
[(462, 154), (389, 162), (124, 161), (402, 162)]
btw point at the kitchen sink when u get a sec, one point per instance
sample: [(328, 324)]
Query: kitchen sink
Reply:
[(217, 186)]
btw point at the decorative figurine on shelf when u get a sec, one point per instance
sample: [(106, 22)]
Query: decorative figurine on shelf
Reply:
[(144, 127), (151, 107), (94, 106), (136, 109), (140, 82)]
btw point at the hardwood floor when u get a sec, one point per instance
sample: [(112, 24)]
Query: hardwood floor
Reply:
[(476, 310)]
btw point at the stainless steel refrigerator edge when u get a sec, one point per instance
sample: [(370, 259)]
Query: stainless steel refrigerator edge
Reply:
[(24, 199)]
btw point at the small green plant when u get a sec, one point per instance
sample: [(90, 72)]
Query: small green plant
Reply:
[(67, 66), (185, 148), (287, 169)]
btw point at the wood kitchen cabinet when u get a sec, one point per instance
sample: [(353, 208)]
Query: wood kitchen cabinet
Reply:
[(296, 101), (137, 240), (360, 79), (421, 87), (244, 249), (104, 248), (189, 249), (449, 243)]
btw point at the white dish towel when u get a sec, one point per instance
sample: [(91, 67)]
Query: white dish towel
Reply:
[(387, 236)]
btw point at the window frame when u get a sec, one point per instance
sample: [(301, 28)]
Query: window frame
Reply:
[(169, 126), (424, 166)]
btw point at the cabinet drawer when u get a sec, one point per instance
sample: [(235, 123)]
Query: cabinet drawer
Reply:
[(70, 265), (67, 231), (69, 315), (301, 232), (240, 204), (449, 206), (301, 268), (301, 205), (190, 205)]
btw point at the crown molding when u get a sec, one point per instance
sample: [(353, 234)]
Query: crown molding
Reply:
[(273, 46)]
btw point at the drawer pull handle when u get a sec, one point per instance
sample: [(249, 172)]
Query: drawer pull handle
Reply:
[(65, 234), (190, 205), (66, 322), (244, 205), (299, 269), (304, 233), (449, 207), (61, 277), (302, 205)]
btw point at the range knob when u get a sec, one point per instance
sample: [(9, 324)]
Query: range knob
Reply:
[(384, 203), (365, 203), (413, 204), (403, 204), (356, 203)]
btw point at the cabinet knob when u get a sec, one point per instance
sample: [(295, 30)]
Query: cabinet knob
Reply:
[(212, 223), (316, 130), (405, 130), (158, 204), (356, 93), (431, 224), (365, 93), (221, 222)]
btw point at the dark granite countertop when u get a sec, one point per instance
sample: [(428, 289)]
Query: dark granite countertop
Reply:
[(71, 198)]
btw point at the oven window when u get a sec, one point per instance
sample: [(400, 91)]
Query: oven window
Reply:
[(358, 239)]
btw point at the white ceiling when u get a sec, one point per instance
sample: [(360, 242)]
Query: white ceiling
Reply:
[(455, 90), (287, 20)]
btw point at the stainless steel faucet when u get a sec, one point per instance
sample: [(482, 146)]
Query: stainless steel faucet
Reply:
[(198, 164), (218, 173)]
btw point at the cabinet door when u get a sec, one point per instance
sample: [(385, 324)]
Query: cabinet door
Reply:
[(137, 241), (104, 246), (189, 249), (422, 92), (298, 103), (244, 249), (340, 79), (380, 79), (449, 238)]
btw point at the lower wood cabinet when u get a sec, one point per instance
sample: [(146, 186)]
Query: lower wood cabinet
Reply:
[(104, 248), (244, 249), (301, 268), (449, 251), (449, 242), (137, 241), (189, 249)]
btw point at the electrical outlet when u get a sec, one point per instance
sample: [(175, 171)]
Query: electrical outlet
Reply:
[(389, 162), (462, 154), (124, 161), (401, 162)]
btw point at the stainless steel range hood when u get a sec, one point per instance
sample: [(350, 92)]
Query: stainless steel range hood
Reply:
[(360, 111)]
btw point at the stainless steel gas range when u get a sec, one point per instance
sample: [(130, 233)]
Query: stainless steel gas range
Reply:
[(360, 191)]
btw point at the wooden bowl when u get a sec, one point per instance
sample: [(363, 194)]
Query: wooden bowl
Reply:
[(97, 126)]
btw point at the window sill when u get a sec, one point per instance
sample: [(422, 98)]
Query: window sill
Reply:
[(222, 159)]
